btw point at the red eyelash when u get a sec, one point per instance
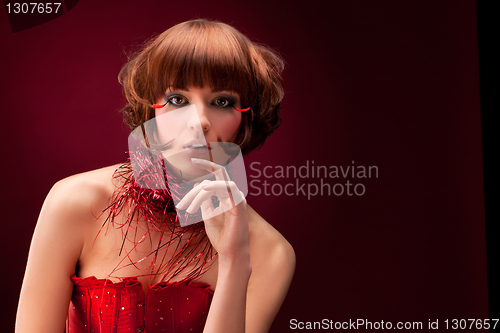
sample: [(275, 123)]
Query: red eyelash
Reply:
[(158, 106), (242, 110)]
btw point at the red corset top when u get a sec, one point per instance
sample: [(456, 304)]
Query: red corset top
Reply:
[(101, 306)]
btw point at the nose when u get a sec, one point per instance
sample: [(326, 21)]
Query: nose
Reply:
[(200, 119)]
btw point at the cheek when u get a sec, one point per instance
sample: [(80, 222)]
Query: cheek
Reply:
[(231, 127), (159, 112)]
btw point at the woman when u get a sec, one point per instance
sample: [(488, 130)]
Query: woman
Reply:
[(109, 243)]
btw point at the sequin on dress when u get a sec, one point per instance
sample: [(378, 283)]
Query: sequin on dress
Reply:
[(102, 306)]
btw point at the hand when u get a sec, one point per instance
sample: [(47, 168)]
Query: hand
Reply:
[(226, 225)]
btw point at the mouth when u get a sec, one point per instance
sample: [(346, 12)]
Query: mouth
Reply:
[(196, 148)]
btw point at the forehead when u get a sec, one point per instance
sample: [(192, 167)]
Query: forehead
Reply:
[(211, 57), (208, 77)]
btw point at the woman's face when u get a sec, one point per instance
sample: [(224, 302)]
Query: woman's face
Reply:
[(191, 125)]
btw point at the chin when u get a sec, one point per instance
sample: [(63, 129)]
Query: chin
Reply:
[(181, 166)]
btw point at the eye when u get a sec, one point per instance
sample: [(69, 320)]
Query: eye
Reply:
[(177, 100), (223, 102)]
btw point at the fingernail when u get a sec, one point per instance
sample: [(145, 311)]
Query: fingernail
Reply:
[(196, 160)]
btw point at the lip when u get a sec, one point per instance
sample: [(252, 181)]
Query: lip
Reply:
[(196, 144), (196, 147)]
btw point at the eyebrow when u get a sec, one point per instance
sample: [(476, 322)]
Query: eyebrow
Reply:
[(228, 92), (218, 90)]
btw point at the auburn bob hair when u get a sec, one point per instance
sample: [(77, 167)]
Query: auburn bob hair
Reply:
[(206, 53)]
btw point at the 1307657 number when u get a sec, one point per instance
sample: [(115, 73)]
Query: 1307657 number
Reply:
[(33, 7), (463, 324)]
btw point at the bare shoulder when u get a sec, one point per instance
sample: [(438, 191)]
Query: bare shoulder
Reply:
[(86, 192), (99, 180), (75, 202), (268, 246), (71, 207)]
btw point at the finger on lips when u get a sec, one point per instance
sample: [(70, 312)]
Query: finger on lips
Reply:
[(209, 166)]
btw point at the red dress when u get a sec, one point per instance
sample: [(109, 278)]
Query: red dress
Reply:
[(101, 306)]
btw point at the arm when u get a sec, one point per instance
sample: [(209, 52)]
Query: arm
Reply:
[(229, 235), (249, 303), (227, 311), (254, 273), (54, 252)]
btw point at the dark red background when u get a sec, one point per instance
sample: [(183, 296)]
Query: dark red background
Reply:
[(392, 84)]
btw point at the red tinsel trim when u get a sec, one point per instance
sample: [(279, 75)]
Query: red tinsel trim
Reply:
[(150, 202)]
